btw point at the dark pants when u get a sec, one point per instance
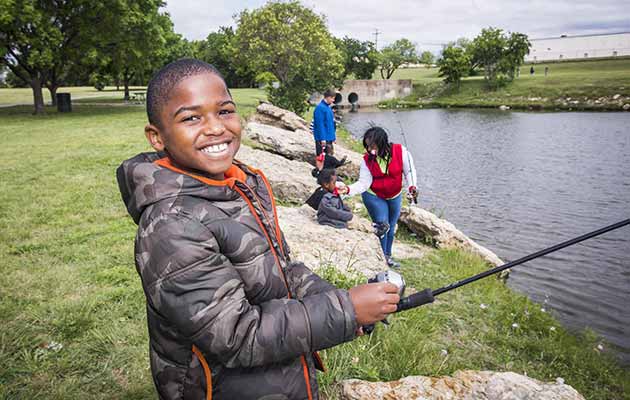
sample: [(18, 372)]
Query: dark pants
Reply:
[(329, 147)]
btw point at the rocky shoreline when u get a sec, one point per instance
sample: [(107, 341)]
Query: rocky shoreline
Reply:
[(279, 143), (284, 151)]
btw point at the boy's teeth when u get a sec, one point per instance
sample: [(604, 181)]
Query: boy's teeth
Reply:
[(216, 148)]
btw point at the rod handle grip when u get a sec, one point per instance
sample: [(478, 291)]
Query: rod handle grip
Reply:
[(416, 300)]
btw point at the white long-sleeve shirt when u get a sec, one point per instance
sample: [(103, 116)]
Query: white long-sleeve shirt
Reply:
[(365, 176)]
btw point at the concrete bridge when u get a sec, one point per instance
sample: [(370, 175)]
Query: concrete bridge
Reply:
[(363, 93)]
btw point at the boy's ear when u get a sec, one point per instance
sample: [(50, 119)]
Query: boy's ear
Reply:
[(154, 136)]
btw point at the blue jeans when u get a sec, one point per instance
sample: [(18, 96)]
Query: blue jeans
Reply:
[(382, 210)]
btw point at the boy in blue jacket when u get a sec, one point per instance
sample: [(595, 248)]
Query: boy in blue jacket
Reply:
[(324, 129)]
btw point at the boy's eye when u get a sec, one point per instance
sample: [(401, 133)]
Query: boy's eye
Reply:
[(191, 118), (227, 111)]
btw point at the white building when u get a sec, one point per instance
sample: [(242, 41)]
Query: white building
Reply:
[(579, 47)]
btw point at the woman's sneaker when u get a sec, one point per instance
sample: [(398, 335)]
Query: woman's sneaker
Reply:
[(392, 263)]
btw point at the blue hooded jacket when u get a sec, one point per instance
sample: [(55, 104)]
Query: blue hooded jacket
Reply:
[(324, 123)]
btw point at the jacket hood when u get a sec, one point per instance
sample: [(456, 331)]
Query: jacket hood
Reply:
[(142, 183)]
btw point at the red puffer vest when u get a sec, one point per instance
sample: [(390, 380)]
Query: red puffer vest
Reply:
[(389, 184)]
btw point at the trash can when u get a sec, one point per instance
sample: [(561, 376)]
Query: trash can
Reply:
[(64, 104)]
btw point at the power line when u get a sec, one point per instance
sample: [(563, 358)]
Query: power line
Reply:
[(376, 33)]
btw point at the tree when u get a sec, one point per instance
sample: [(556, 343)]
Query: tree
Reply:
[(396, 54), (136, 42), (41, 40), (488, 50), (454, 64), (427, 58), (293, 43), (218, 50), (516, 50), (360, 58), (498, 54)]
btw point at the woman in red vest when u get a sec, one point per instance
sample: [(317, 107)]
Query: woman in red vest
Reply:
[(381, 184)]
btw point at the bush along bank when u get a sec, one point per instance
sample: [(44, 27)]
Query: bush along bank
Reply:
[(438, 95)]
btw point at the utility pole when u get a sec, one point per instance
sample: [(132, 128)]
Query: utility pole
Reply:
[(376, 33)]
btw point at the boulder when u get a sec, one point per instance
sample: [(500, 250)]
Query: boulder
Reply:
[(626, 107), (269, 114), (290, 180), (504, 107), (294, 145), (319, 245), (464, 385), (443, 233), (299, 145)]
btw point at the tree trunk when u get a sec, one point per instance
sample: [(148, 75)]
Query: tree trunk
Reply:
[(53, 94), (38, 96)]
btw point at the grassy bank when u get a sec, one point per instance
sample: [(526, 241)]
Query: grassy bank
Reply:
[(483, 326), (72, 308), (584, 85)]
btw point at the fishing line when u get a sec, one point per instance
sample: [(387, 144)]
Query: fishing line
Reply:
[(413, 199)]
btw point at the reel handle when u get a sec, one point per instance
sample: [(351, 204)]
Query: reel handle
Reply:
[(416, 300)]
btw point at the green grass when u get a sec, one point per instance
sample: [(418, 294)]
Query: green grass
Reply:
[(245, 98), (67, 277), (25, 95), (416, 75), (592, 84), (456, 333)]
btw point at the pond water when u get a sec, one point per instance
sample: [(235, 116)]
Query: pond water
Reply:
[(518, 182)]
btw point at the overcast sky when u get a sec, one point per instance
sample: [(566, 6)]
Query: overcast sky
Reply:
[(428, 23)]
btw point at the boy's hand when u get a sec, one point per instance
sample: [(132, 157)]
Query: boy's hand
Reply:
[(373, 301)]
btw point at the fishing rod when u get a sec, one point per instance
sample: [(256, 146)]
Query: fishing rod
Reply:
[(428, 296), (412, 197)]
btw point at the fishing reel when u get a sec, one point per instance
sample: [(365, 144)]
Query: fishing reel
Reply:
[(412, 195), (391, 277)]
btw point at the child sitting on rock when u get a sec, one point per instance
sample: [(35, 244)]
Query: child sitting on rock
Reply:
[(331, 210)]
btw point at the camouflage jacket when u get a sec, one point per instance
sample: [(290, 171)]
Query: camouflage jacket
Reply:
[(229, 316)]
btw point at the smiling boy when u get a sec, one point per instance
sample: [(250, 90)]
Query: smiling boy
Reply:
[(229, 315)]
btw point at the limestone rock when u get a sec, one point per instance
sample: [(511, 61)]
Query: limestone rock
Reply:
[(318, 245), (626, 107), (269, 114), (444, 234), (464, 385), (290, 179), (504, 108), (289, 144), (299, 145)]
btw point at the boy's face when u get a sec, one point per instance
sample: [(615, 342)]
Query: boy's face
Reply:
[(329, 100), (330, 185), (200, 129)]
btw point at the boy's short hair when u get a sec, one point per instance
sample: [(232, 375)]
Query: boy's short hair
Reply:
[(326, 175), (330, 93), (163, 82)]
